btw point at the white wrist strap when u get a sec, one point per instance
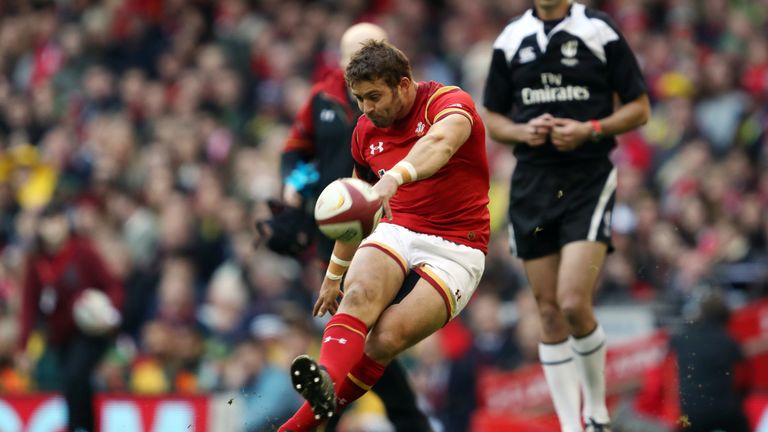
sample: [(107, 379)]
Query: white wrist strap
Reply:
[(333, 276), (339, 261), (403, 172)]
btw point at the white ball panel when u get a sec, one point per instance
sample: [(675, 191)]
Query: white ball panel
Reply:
[(351, 231), (334, 200)]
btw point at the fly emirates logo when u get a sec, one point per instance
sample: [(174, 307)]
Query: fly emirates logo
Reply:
[(554, 91)]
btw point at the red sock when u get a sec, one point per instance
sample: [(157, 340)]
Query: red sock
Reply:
[(360, 379), (342, 345), (303, 420)]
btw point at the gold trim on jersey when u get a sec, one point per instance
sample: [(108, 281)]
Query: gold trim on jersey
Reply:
[(453, 110), (437, 93)]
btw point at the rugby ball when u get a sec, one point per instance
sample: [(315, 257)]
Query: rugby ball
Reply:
[(348, 210), (94, 312)]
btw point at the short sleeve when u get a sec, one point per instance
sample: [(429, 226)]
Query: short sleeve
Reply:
[(625, 76), (450, 100), (499, 88)]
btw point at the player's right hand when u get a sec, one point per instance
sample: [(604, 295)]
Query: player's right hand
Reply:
[(386, 187), (537, 129), (328, 299)]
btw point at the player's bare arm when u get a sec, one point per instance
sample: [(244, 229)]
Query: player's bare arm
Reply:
[(427, 156), (505, 131), (567, 134)]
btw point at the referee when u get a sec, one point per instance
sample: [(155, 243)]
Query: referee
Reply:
[(562, 83)]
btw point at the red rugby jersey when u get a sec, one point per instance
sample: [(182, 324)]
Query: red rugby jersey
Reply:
[(453, 203)]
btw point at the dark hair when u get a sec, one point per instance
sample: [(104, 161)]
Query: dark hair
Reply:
[(713, 309), (54, 208), (378, 60)]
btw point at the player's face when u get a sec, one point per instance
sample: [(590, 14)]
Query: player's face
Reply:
[(54, 230), (379, 102), (550, 4)]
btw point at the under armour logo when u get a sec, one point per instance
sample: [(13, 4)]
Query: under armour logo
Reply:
[(458, 295), (342, 341), (375, 147)]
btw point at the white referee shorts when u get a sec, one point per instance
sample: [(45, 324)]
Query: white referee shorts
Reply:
[(454, 270)]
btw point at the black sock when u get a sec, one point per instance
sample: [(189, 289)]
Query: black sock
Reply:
[(395, 391)]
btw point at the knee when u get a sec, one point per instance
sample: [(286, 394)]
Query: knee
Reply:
[(358, 294), (576, 309), (385, 345), (550, 315)]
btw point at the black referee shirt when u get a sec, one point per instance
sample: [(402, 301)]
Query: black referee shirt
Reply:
[(571, 72)]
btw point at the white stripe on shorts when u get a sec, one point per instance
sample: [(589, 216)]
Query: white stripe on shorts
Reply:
[(605, 195), (512, 241)]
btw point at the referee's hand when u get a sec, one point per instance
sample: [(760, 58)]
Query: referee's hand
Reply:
[(537, 129), (567, 134)]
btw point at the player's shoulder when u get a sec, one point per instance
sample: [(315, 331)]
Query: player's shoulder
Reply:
[(596, 19), (596, 14), (518, 28), (440, 96), (363, 126), (436, 90)]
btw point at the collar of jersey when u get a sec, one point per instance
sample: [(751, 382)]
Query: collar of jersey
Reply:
[(542, 39)]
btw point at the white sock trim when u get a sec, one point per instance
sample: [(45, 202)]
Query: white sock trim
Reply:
[(590, 352), (554, 354), (561, 373), (590, 343)]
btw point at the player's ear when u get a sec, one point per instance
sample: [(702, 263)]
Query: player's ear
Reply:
[(404, 83)]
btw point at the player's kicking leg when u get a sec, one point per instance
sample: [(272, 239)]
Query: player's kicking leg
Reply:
[(371, 284)]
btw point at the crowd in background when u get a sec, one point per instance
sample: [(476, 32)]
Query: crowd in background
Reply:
[(161, 123)]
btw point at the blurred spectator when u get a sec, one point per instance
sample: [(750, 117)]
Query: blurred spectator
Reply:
[(711, 385), (60, 267), (268, 392)]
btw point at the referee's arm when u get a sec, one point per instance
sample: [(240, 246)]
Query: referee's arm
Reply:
[(627, 117), (498, 101), (505, 131)]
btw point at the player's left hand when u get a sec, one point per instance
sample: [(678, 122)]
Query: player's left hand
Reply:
[(328, 299), (386, 188), (568, 134)]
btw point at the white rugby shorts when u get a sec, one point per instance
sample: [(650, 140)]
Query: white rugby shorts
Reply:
[(454, 270)]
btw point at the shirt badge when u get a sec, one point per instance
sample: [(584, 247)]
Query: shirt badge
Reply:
[(527, 54), (420, 127), (569, 50)]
